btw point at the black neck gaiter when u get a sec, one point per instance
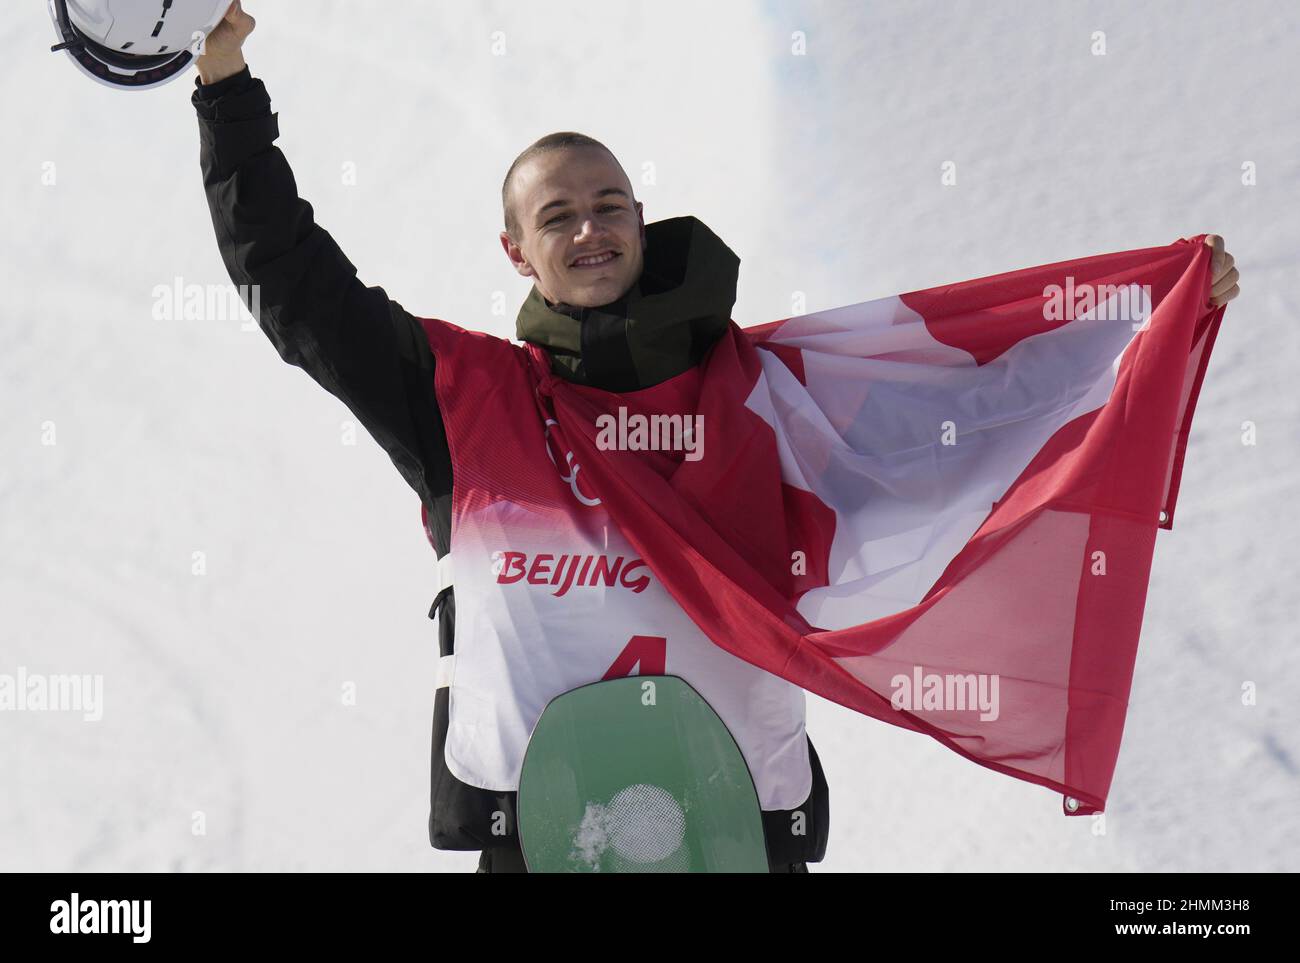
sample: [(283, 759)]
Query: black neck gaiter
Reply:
[(662, 326)]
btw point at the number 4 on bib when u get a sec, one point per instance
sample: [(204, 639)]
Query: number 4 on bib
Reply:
[(637, 775)]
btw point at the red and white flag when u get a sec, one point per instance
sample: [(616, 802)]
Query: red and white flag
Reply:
[(938, 509)]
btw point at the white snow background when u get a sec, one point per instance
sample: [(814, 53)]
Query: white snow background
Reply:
[(223, 691)]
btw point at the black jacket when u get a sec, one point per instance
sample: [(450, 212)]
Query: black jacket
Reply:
[(371, 354)]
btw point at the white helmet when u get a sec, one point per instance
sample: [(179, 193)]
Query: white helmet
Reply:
[(134, 44)]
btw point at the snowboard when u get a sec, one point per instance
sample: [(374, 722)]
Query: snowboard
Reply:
[(637, 775)]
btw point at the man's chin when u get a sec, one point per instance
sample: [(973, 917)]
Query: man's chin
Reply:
[(596, 294)]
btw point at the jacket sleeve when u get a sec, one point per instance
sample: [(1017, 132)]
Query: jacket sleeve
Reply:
[(354, 341)]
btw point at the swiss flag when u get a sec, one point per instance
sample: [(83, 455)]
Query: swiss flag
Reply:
[(938, 509)]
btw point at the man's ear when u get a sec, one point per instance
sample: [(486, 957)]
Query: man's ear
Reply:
[(516, 255)]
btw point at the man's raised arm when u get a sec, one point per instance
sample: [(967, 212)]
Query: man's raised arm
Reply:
[(359, 345)]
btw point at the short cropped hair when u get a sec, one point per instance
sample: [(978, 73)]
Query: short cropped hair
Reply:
[(555, 141)]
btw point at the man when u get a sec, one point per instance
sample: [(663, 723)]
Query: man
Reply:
[(575, 228)]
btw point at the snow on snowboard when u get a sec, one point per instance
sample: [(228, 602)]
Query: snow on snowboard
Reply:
[(637, 775)]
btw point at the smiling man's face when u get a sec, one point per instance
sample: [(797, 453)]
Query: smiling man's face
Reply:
[(572, 203)]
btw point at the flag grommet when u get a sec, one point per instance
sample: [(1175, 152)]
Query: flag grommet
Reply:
[(1071, 804)]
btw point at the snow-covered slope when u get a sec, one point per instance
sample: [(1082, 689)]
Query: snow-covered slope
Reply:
[(224, 692)]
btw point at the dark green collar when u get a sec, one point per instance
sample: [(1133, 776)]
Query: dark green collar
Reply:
[(672, 315)]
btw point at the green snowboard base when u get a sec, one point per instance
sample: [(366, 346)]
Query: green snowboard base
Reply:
[(637, 775)]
